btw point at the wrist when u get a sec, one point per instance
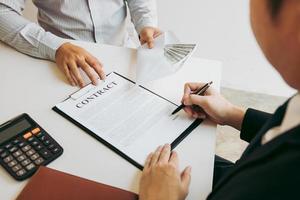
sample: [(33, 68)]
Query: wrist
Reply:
[(235, 117), (61, 48)]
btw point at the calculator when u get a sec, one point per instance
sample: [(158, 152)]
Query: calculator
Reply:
[(24, 146)]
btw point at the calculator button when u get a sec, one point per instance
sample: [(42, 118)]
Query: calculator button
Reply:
[(36, 131), (21, 172), (13, 149), (31, 139), (8, 159), (35, 143), (21, 158), (1, 150), (30, 166), (17, 153), (22, 144), (30, 152), (39, 161), (26, 148), (27, 135), (8, 146), (16, 141), (34, 156), (38, 147), (40, 134), (25, 162), (12, 163), (43, 138), (47, 142), (4, 154), (45, 153), (55, 150), (51, 146), (17, 168)]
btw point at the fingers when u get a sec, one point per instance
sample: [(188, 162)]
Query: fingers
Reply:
[(157, 33), (186, 177), (88, 70), (70, 58), (192, 87), (148, 161), (165, 154), (147, 36), (201, 101), (68, 75), (75, 71), (174, 159), (155, 156), (189, 88), (76, 83), (161, 155), (149, 39), (97, 66)]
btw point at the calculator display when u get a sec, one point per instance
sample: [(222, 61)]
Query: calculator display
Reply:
[(14, 130)]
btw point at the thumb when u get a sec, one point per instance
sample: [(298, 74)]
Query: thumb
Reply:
[(186, 177), (148, 38), (150, 42)]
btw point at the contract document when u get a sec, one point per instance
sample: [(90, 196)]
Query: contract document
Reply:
[(128, 118)]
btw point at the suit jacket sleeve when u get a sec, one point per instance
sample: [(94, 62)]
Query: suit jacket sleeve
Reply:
[(252, 123)]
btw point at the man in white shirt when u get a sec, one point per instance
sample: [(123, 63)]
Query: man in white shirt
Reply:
[(100, 21)]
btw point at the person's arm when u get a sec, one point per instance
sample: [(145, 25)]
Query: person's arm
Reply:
[(218, 109), (31, 39), (26, 36), (144, 17), (253, 121), (213, 106)]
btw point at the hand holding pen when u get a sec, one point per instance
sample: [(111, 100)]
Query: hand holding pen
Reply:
[(188, 92), (212, 105)]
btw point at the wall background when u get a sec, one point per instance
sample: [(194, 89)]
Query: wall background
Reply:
[(222, 31)]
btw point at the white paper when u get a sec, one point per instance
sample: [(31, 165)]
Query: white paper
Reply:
[(132, 119), (152, 63)]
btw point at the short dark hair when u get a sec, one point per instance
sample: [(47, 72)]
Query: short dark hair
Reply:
[(275, 6)]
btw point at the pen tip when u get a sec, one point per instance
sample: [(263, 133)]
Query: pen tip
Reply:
[(210, 83)]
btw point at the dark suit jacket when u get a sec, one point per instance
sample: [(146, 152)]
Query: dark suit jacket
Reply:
[(270, 171)]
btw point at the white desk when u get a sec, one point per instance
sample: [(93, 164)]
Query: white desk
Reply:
[(34, 86)]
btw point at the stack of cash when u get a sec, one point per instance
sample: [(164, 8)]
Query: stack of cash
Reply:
[(178, 52)]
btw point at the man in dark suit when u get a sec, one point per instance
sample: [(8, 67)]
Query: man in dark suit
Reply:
[(270, 166)]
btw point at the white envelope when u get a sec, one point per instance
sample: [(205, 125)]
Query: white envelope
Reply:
[(152, 63)]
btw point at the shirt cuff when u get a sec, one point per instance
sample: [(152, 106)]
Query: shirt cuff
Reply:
[(145, 22), (49, 44)]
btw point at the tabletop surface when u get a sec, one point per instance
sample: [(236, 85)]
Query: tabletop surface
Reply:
[(34, 86)]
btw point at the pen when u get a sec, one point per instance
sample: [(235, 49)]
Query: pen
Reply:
[(200, 91)]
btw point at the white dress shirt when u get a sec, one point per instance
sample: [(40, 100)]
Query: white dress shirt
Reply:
[(291, 119), (101, 21)]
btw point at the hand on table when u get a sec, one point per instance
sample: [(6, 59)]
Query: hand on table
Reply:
[(213, 105), (148, 34), (69, 58), (161, 178)]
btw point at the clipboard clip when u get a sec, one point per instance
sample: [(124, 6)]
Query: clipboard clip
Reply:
[(81, 92)]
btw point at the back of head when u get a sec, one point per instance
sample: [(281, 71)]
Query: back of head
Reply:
[(276, 25)]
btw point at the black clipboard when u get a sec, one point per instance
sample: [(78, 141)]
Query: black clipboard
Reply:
[(175, 143)]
